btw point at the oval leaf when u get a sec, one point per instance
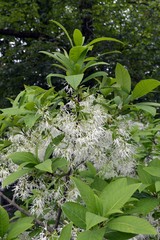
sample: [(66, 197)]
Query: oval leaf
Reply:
[(149, 109), (154, 171), (131, 224), (74, 80), (45, 166), (92, 235), (116, 194), (75, 52), (66, 232), (144, 87), (78, 37), (22, 157), (87, 194), (123, 78), (75, 213), (18, 227), (4, 221), (14, 177), (93, 219), (144, 206)]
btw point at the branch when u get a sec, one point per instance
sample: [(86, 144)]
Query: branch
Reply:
[(24, 212), (24, 34), (58, 217), (67, 179)]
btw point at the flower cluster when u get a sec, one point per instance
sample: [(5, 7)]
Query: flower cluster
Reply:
[(88, 137), (90, 134)]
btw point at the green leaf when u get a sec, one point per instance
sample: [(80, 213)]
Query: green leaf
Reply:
[(75, 53), (74, 80), (90, 172), (30, 119), (145, 177), (123, 78), (92, 234), (149, 109), (103, 39), (15, 176), (94, 64), (88, 59), (115, 235), (22, 157), (98, 206), (87, 194), (53, 75), (116, 194), (94, 75), (49, 151), (15, 111), (155, 162), (65, 61), (75, 213), (59, 66), (59, 163), (78, 37), (61, 58), (20, 226), (45, 166), (157, 186), (144, 87), (99, 184), (110, 52), (154, 171), (118, 100), (4, 144), (4, 221), (65, 53), (58, 139), (131, 224), (144, 206), (49, 82), (93, 219), (30, 106), (64, 30), (18, 99), (155, 104), (48, 94), (66, 232)]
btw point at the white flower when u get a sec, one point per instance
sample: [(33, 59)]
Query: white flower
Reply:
[(37, 206), (89, 138)]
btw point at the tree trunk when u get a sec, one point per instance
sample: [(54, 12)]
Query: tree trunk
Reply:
[(85, 9)]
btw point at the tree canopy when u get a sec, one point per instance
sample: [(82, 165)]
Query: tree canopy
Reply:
[(26, 29)]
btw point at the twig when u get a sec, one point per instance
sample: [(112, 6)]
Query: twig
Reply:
[(58, 218), (25, 212), (67, 178)]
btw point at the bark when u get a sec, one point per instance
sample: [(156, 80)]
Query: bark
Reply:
[(85, 8)]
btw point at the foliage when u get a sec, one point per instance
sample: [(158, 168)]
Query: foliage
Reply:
[(75, 64), (83, 161), (101, 209), (25, 29), (11, 230), (123, 96)]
